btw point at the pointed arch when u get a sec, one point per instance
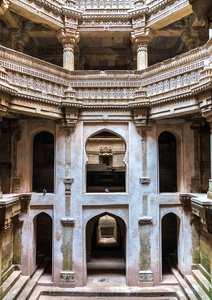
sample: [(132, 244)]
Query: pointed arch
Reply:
[(105, 168)]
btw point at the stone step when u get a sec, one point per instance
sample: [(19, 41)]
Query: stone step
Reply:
[(183, 284), (8, 283), (204, 272), (202, 280), (28, 289), (196, 288), (15, 291)]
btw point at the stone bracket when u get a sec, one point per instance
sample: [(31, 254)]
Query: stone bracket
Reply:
[(67, 279), (145, 220), (68, 222), (25, 199), (145, 180)]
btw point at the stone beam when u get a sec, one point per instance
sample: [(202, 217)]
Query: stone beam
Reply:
[(169, 14), (52, 19)]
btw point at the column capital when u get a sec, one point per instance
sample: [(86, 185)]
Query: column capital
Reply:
[(4, 6)]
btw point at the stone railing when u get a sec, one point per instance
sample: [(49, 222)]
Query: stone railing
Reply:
[(175, 79), (106, 4)]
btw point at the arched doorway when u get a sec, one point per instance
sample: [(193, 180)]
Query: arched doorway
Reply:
[(167, 162), (43, 162), (106, 245), (105, 166), (170, 240), (43, 233)]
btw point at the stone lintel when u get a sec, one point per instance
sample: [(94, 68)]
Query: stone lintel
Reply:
[(67, 279), (185, 199), (145, 180), (145, 278), (145, 220), (68, 222)]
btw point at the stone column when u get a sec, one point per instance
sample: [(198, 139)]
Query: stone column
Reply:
[(68, 41), (17, 232), (142, 53), (210, 180), (145, 273), (67, 275)]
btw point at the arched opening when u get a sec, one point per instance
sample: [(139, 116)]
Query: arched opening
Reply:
[(43, 162), (167, 162), (106, 245), (170, 240), (105, 166), (43, 230)]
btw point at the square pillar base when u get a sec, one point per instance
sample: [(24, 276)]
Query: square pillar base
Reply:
[(67, 279), (145, 278)]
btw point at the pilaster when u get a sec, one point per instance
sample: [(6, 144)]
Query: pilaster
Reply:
[(17, 232), (67, 274), (145, 273)]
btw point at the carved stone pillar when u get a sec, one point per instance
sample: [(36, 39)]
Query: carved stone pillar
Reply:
[(210, 180), (15, 137), (196, 180), (68, 40), (145, 273), (17, 232), (67, 274), (141, 35), (68, 182)]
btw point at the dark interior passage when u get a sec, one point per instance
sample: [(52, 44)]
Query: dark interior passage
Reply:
[(170, 233), (43, 236), (105, 237), (167, 162), (43, 162)]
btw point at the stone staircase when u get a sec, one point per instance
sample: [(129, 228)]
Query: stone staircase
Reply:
[(20, 287), (194, 286)]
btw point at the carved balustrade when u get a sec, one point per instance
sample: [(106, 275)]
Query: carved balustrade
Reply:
[(171, 82)]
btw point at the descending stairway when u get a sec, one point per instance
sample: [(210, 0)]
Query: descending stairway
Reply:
[(21, 287), (194, 286)]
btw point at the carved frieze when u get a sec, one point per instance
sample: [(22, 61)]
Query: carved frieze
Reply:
[(67, 279)]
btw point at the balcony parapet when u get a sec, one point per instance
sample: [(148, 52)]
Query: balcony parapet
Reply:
[(37, 83), (12, 206)]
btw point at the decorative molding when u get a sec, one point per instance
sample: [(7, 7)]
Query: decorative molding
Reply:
[(67, 279), (68, 222), (145, 180), (185, 200), (145, 221)]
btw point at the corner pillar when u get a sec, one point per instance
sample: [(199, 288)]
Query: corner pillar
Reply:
[(145, 274), (67, 274)]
